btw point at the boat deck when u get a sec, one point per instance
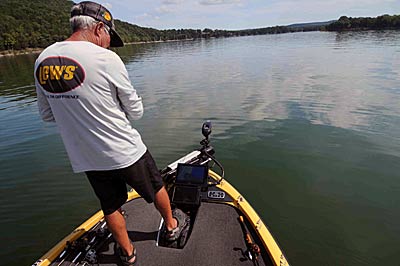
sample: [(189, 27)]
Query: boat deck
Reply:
[(216, 239)]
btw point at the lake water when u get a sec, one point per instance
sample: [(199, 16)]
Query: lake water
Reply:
[(307, 126)]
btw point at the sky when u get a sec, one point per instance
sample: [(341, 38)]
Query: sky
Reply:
[(241, 14)]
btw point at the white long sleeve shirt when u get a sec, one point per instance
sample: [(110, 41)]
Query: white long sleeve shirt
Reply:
[(86, 90)]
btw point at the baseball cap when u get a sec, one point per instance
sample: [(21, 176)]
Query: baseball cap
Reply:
[(100, 13)]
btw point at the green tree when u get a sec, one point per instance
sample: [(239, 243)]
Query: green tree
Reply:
[(8, 41)]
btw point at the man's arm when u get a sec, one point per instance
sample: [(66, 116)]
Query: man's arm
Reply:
[(44, 106), (130, 101)]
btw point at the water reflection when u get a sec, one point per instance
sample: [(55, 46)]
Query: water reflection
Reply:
[(275, 77), (389, 37), (300, 107), (313, 184), (270, 77), (16, 81)]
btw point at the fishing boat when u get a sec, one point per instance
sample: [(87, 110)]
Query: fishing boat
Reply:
[(221, 227)]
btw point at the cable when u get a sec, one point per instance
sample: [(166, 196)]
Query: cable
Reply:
[(219, 165)]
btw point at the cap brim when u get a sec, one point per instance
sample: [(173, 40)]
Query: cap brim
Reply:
[(116, 40)]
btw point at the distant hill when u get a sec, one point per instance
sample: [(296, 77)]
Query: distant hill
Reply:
[(311, 24), (32, 24), (26, 24), (39, 23)]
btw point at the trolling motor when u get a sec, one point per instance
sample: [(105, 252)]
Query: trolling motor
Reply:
[(206, 131)]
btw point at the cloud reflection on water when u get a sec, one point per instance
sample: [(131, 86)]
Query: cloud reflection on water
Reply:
[(343, 80), (347, 80)]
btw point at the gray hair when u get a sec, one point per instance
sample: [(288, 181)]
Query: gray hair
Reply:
[(81, 22)]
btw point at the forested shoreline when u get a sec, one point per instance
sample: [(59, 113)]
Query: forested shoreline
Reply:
[(365, 23), (27, 25)]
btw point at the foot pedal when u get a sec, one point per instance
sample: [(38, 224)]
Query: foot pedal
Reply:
[(180, 241)]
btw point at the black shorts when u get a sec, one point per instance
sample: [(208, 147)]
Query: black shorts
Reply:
[(110, 186)]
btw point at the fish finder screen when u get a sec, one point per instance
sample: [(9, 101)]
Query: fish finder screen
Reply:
[(191, 174)]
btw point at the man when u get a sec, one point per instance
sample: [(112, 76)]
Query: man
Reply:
[(85, 89)]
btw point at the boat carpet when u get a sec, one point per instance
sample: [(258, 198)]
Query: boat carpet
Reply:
[(217, 238)]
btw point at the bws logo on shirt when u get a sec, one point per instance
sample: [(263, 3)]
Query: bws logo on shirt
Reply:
[(59, 74)]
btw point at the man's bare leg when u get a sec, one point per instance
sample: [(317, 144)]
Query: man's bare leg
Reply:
[(116, 224), (163, 205)]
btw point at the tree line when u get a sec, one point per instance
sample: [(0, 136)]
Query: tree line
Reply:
[(37, 24), (33, 24), (365, 23)]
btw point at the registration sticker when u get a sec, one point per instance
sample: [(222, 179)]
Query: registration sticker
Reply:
[(216, 194)]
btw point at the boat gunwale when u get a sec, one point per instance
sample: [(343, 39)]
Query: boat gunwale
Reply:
[(239, 202), (269, 242)]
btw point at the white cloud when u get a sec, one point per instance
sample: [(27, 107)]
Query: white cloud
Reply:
[(219, 2), (107, 5), (171, 2), (143, 16), (164, 9)]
